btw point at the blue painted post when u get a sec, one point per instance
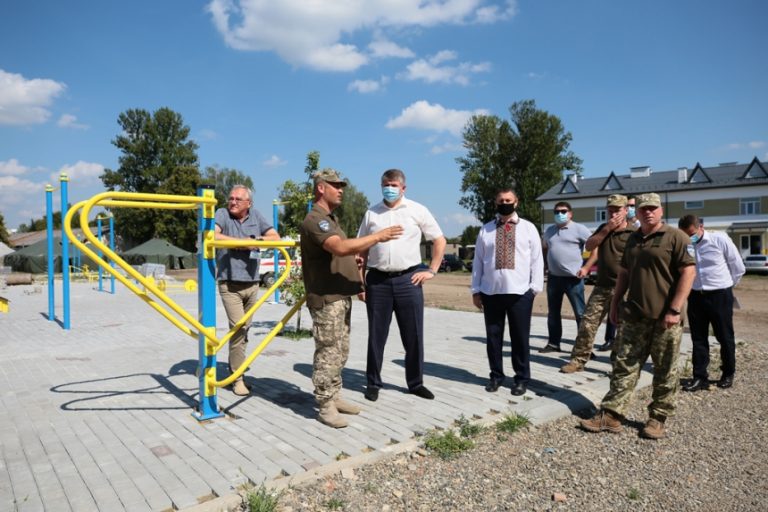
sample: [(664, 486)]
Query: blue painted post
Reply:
[(51, 256), (99, 252), (206, 304), (112, 247), (275, 223), (65, 248)]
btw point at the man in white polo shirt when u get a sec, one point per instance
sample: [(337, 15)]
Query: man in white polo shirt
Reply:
[(394, 281)]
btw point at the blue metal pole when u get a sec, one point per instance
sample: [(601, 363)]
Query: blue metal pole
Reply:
[(275, 222), (112, 247), (99, 253), (51, 256), (65, 248), (206, 304)]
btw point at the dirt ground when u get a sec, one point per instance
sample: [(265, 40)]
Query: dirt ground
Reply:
[(451, 291)]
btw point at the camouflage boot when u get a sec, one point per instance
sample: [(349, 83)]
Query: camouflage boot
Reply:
[(329, 415), (603, 420), (345, 407), (572, 366)]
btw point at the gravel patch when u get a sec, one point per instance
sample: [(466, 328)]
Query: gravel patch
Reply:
[(713, 459)]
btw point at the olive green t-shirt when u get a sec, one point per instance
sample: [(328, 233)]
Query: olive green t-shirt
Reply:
[(609, 255), (654, 264), (327, 278)]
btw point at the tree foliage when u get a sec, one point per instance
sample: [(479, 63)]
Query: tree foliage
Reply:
[(41, 224), (223, 179), (530, 154), (469, 235), (4, 236), (157, 157)]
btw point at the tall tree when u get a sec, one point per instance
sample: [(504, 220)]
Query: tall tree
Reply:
[(469, 235), (156, 158), (530, 154), (4, 237), (223, 179)]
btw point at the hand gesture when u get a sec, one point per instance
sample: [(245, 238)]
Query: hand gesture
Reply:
[(390, 233)]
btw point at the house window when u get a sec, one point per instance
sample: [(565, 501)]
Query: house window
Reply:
[(600, 214), (749, 206), (694, 205)]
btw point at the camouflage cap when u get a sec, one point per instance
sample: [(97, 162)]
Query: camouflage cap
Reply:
[(329, 175), (650, 199), (616, 200)]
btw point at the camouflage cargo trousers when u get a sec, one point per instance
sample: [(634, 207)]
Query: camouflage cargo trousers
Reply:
[(637, 340), (598, 307), (330, 328)]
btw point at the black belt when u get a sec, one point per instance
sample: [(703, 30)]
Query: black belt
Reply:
[(397, 273), (708, 292)]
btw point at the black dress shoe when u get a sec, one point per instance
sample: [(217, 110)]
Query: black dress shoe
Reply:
[(605, 347), (696, 384), (519, 388), (493, 385), (371, 394), (725, 382), (422, 392), (549, 348)]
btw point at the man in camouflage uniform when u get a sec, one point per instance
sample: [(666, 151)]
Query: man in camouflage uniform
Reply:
[(331, 278), (607, 246), (657, 271)]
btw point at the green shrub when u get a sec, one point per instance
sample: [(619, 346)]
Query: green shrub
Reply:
[(446, 444), (513, 422)]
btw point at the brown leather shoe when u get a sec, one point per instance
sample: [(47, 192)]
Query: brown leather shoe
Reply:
[(603, 420), (329, 415), (345, 407), (240, 389), (572, 367), (653, 429)]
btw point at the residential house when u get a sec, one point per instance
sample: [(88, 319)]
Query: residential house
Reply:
[(730, 197)]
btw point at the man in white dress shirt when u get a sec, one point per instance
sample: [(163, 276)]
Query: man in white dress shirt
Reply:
[(718, 269), (394, 281), (507, 272)]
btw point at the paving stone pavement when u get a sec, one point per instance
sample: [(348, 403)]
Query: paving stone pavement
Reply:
[(99, 417)]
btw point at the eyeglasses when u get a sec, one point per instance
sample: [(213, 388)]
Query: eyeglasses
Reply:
[(561, 211), (238, 199)]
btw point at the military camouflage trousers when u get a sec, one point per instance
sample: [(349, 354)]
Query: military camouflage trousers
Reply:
[(330, 328), (598, 307), (636, 341)]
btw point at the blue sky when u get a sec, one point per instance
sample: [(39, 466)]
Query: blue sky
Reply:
[(374, 84)]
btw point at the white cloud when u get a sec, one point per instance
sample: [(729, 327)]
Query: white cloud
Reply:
[(534, 76), (368, 86), (16, 191), (70, 121), (446, 148), (80, 171), (424, 116), (23, 101), (12, 167), (274, 161), (463, 219), (382, 48), (311, 33), (206, 134), (755, 144), (430, 70)]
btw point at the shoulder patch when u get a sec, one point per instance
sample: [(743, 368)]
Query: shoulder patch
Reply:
[(691, 251), (324, 225)]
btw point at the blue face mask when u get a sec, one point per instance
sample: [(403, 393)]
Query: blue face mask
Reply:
[(631, 211), (561, 218), (695, 238), (391, 194)]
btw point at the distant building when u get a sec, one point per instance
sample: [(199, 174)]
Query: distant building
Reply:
[(730, 197)]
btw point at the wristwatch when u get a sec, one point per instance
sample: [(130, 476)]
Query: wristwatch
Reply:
[(673, 310)]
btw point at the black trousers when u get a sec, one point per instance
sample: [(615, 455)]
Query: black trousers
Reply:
[(517, 310), (384, 294), (712, 308)]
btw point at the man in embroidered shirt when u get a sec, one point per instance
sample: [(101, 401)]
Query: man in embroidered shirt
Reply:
[(718, 269), (394, 281), (237, 273), (507, 272), (563, 245), (331, 278)]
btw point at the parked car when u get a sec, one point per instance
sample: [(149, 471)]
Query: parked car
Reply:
[(267, 265), (757, 263), (451, 262)]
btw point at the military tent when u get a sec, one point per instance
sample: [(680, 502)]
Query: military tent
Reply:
[(34, 258), (160, 251), (4, 249)]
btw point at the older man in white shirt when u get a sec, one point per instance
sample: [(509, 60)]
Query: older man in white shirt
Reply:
[(394, 281), (507, 272), (718, 269)]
